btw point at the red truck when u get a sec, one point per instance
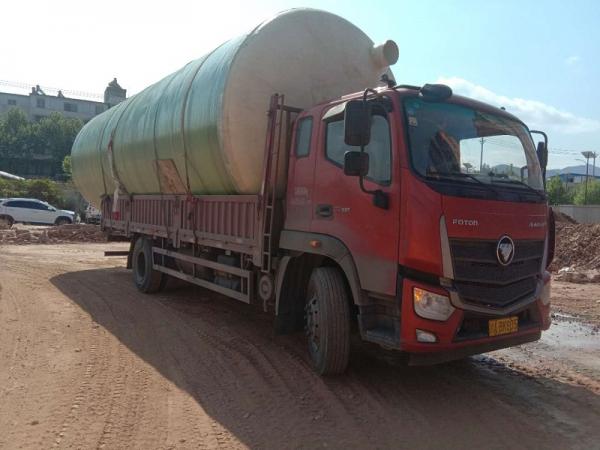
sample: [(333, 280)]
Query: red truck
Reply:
[(414, 216)]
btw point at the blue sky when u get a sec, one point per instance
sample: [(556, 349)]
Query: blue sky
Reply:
[(539, 59)]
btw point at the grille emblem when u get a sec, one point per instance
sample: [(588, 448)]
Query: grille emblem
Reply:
[(505, 250)]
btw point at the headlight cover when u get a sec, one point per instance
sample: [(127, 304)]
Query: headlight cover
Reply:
[(430, 305)]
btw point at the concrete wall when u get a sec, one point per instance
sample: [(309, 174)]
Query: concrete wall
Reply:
[(582, 214)]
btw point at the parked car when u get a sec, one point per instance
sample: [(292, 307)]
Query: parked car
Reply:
[(30, 210), (92, 214)]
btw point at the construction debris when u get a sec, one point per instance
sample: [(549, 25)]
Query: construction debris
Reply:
[(577, 254), (51, 235)]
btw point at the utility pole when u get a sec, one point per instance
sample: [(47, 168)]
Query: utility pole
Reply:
[(481, 156), (587, 156)]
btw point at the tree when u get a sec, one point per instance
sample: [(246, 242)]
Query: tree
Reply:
[(557, 192), (66, 166), (37, 148), (593, 193), (15, 134)]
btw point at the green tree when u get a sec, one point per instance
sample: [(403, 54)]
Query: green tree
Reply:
[(558, 194), (36, 148), (66, 166), (15, 134), (593, 193)]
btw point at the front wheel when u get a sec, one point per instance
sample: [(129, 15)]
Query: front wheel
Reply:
[(328, 321), (6, 222), (62, 221)]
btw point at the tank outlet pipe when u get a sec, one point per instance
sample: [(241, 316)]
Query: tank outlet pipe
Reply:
[(385, 55)]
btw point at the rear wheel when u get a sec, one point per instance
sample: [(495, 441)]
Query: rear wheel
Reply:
[(145, 277), (6, 222), (328, 321)]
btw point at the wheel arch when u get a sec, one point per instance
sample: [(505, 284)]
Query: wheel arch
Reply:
[(305, 251)]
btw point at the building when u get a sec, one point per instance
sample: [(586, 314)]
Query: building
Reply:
[(576, 178), (38, 104)]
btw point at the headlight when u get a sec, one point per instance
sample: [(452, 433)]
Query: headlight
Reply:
[(431, 306)]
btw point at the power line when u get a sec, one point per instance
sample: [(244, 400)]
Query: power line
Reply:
[(68, 92)]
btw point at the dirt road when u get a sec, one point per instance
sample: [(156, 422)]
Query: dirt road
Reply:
[(88, 362)]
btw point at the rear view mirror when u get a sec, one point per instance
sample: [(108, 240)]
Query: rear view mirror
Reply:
[(357, 123), (356, 164), (542, 154)]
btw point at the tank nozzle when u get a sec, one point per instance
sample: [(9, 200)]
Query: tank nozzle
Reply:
[(385, 54)]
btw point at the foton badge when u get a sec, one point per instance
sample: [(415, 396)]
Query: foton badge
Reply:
[(505, 250)]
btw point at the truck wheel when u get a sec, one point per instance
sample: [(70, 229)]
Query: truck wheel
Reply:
[(146, 279), (328, 321)]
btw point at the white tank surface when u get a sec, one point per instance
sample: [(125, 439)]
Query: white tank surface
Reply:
[(206, 123)]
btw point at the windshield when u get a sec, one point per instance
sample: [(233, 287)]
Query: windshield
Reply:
[(453, 141)]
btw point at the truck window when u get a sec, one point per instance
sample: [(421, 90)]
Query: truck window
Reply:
[(303, 134), (379, 149)]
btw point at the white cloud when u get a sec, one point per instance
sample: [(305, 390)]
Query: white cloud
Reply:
[(572, 60), (536, 114)]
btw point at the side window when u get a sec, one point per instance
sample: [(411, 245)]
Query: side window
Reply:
[(28, 205), (379, 148), (10, 204), (303, 134), (40, 206)]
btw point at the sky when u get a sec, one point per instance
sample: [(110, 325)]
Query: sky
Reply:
[(538, 59)]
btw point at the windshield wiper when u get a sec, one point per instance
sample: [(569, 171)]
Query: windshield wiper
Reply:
[(451, 175), (520, 183)]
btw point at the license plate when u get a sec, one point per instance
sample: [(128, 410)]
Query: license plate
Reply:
[(498, 327)]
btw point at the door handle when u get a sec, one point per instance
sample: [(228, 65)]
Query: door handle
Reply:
[(324, 210)]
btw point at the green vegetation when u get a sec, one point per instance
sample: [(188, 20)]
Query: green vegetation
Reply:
[(36, 149), (560, 194), (42, 189), (593, 193)]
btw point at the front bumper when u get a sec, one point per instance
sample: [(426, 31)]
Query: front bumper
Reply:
[(465, 332)]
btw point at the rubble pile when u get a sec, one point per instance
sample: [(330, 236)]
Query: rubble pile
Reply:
[(52, 235), (577, 254)]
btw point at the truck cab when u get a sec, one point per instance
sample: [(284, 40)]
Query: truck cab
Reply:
[(431, 208)]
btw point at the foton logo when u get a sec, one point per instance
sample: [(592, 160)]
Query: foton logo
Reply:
[(466, 222)]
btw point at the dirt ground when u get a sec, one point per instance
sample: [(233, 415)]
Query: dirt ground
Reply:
[(88, 362)]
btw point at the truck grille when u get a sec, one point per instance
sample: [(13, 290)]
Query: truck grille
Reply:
[(481, 279)]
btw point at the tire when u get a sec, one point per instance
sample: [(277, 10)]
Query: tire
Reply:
[(146, 279), (6, 222), (328, 321), (62, 221)]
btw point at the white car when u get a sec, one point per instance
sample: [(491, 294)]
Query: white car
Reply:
[(30, 210)]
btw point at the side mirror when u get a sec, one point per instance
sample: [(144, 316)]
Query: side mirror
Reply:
[(542, 154), (356, 164), (357, 123)]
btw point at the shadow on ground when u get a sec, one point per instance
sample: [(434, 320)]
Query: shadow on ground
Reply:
[(261, 388)]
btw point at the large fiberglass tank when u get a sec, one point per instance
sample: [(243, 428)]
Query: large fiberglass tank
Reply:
[(205, 124)]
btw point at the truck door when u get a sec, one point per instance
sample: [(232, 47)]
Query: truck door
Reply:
[(342, 210), (301, 174)]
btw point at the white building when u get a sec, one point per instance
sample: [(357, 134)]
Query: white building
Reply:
[(38, 104)]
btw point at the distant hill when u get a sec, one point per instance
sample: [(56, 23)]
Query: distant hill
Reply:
[(571, 169)]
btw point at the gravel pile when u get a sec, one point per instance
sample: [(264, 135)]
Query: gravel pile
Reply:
[(577, 254), (52, 235)]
